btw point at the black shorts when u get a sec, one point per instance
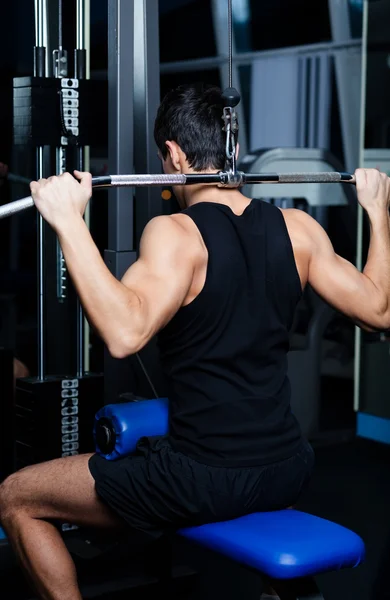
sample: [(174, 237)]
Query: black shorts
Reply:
[(158, 490)]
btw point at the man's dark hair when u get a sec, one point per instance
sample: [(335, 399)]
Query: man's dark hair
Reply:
[(191, 116)]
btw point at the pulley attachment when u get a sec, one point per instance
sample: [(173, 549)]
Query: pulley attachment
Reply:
[(231, 99)]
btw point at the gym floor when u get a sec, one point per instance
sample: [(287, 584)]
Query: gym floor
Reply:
[(351, 485)]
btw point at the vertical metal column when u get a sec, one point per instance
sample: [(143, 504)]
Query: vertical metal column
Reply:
[(60, 70), (80, 61), (40, 71), (120, 253), (87, 46), (120, 123), (148, 201), (360, 218), (348, 78)]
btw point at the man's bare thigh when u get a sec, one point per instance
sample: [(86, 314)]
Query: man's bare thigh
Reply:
[(62, 489)]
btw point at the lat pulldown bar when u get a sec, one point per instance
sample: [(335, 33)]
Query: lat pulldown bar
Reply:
[(221, 179)]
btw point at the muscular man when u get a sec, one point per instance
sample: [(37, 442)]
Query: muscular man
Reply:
[(219, 283)]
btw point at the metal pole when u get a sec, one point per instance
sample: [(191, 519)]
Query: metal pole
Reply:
[(360, 220), (40, 71), (80, 69), (60, 70), (87, 34), (39, 49), (39, 23), (60, 24), (80, 52), (120, 253), (41, 273), (348, 78), (87, 41), (80, 28), (120, 120), (148, 202)]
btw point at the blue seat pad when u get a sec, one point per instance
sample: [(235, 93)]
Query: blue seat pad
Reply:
[(282, 544)]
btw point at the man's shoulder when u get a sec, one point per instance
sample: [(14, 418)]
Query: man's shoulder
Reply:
[(177, 230), (299, 220), (302, 228), (165, 225)]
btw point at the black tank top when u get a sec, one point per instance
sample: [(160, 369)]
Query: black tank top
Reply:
[(225, 354)]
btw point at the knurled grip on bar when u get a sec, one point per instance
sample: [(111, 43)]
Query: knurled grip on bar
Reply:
[(325, 177)]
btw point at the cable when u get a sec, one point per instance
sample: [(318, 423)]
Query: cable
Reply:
[(147, 375), (60, 24), (230, 33)]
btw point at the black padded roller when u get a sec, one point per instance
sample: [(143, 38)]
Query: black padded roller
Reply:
[(231, 97)]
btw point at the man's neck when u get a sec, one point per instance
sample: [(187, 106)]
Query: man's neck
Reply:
[(211, 193)]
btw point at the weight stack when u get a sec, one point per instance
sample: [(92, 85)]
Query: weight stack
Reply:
[(44, 106), (54, 417), (37, 116)]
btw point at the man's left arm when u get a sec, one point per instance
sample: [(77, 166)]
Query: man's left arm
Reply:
[(128, 313)]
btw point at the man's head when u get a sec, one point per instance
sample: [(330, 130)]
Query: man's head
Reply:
[(188, 129)]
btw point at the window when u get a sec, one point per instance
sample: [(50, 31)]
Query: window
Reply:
[(171, 80), (377, 117), (356, 17), (282, 23), (186, 30)]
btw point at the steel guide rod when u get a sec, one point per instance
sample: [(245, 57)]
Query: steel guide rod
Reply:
[(40, 71), (80, 71)]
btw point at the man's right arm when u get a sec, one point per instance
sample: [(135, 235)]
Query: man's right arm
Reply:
[(362, 296)]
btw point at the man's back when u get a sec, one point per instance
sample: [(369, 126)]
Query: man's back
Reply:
[(225, 352)]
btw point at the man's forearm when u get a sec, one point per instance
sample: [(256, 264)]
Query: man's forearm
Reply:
[(377, 267), (112, 308)]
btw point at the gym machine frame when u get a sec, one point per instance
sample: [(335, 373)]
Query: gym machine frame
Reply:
[(51, 416)]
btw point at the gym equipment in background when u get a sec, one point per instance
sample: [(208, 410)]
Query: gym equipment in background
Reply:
[(306, 357), (53, 412)]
